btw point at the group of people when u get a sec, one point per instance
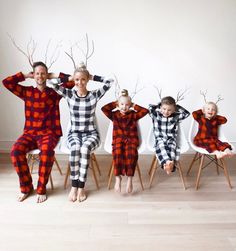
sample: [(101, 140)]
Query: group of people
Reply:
[(42, 129)]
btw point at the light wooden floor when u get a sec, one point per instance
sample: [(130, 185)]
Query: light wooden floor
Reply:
[(164, 217)]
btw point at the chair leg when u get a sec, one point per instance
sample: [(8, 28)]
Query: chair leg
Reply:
[(93, 158), (155, 166), (217, 166), (58, 167), (226, 172), (51, 182), (139, 175), (110, 175), (67, 175), (181, 174), (191, 165), (199, 171), (151, 167), (94, 174)]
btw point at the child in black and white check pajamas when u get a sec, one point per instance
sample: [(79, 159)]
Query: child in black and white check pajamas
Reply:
[(166, 117), (83, 136)]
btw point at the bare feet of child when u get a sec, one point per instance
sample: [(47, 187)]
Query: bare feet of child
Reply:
[(41, 198), (228, 152), (168, 167), (23, 196), (117, 186), (73, 194), (129, 186), (81, 196)]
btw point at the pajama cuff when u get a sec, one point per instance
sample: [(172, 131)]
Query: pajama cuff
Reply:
[(78, 183)]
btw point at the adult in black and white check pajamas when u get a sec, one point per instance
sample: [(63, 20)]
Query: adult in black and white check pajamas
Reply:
[(83, 136), (165, 130)]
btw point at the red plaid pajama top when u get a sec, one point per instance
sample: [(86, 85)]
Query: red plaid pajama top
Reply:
[(124, 126), (42, 114), (207, 135)]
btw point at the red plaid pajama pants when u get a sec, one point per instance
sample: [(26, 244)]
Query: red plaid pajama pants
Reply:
[(212, 145), (125, 157), (26, 143)]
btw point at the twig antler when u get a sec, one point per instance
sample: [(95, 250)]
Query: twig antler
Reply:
[(159, 91), (86, 53), (55, 54), (117, 87), (219, 98), (181, 95), (204, 95), (136, 90), (31, 47)]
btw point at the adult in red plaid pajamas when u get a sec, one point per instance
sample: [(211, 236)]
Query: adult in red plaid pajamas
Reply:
[(42, 128), (125, 139), (207, 135)]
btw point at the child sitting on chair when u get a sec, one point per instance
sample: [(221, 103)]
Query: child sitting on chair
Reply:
[(125, 139), (166, 117), (207, 135)]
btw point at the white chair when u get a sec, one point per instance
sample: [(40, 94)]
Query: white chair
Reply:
[(181, 142), (93, 161), (202, 153), (108, 148), (33, 156)]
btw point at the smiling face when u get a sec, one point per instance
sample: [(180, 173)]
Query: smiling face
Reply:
[(40, 75), (124, 104), (81, 79), (209, 110), (167, 110)]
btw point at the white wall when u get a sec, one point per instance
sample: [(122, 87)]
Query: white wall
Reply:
[(172, 43)]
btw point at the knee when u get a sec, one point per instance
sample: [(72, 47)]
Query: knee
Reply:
[(85, 150), (17, 150)]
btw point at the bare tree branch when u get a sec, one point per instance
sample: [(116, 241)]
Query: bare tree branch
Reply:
[(71, 56), (219, 98), (204, 95), (159, 91), (181, 95)]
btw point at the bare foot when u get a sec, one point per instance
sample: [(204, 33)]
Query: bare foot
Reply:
[(228, 152), (41, 198), (23, 196), (81, 196), (129, 186), (168, 167), (117, 186), (73, 194)]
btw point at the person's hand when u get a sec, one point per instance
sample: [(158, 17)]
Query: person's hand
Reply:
[(29, 75)]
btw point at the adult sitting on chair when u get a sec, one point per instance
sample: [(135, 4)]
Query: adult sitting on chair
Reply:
[(83, 136), (42, 128)]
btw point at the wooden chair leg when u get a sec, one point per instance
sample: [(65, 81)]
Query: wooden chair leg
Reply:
[(67, 175), (58, 167), (139, 175), (226, 172), (181, 174), (155, 166), (94, 159), (51, 182), (152, 164), (199, 171), (191, 165), (217, 166), (110, 175), (94, 174)]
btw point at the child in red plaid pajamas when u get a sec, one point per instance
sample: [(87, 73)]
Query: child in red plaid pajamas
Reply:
[(42, 128), (125, 137), (207, 135)]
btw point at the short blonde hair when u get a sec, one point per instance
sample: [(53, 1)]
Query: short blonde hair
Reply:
[(124, 94), (211, 103)]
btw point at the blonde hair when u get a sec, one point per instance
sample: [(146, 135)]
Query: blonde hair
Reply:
[(82, 68), (211, 103), (124, 93)]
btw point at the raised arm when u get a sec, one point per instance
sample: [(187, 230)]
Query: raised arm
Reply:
[(108, 108), (58, 87), (101, 91), (183, 113), (197, 114), (221, 120), (140, 111), (12, 83), (152, 110)]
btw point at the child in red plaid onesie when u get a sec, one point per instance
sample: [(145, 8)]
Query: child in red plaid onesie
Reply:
[(125, 137), (207, 135), (42, 128)]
